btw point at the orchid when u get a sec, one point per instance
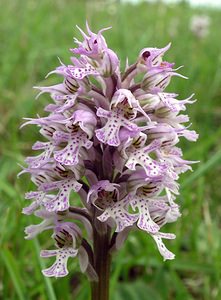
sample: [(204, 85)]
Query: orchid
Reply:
[(111, 137)]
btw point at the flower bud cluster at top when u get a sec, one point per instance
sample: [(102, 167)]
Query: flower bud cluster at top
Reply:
[(111, 137)]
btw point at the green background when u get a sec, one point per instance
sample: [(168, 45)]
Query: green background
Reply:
[(33, 33)]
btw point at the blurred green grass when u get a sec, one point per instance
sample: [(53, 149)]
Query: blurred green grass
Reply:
[(33, 34)]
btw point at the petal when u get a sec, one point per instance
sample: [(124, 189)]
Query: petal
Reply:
[(70, 102), (161, 247), (153, 56), (92, 45), (53, 89), (80, 73), (158, 78), (41, 145), (38, 200), (190, 135), (59, 268), (144, 222), (120, 215), (173, 214), (109, 134), (31, 195), (153, 169), (31, 208), (168, 99), (32, 230), (86, 120), (60, 202), (37, 161), (153, 146), (48, 253), (70, 154), (51, 108), (47, 121), (131, 105), (60, 136)]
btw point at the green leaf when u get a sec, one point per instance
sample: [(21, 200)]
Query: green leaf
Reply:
[(12, 267)]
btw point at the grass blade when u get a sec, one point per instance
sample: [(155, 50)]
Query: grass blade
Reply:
[(215, 159), (11, 266), (48, 284)]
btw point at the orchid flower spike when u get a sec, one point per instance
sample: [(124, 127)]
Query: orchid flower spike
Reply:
[(111, 138)]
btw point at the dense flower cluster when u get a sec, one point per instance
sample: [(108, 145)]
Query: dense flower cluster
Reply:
[(112, 138)]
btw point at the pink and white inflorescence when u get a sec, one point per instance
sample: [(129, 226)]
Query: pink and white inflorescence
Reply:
[(111, 137)]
